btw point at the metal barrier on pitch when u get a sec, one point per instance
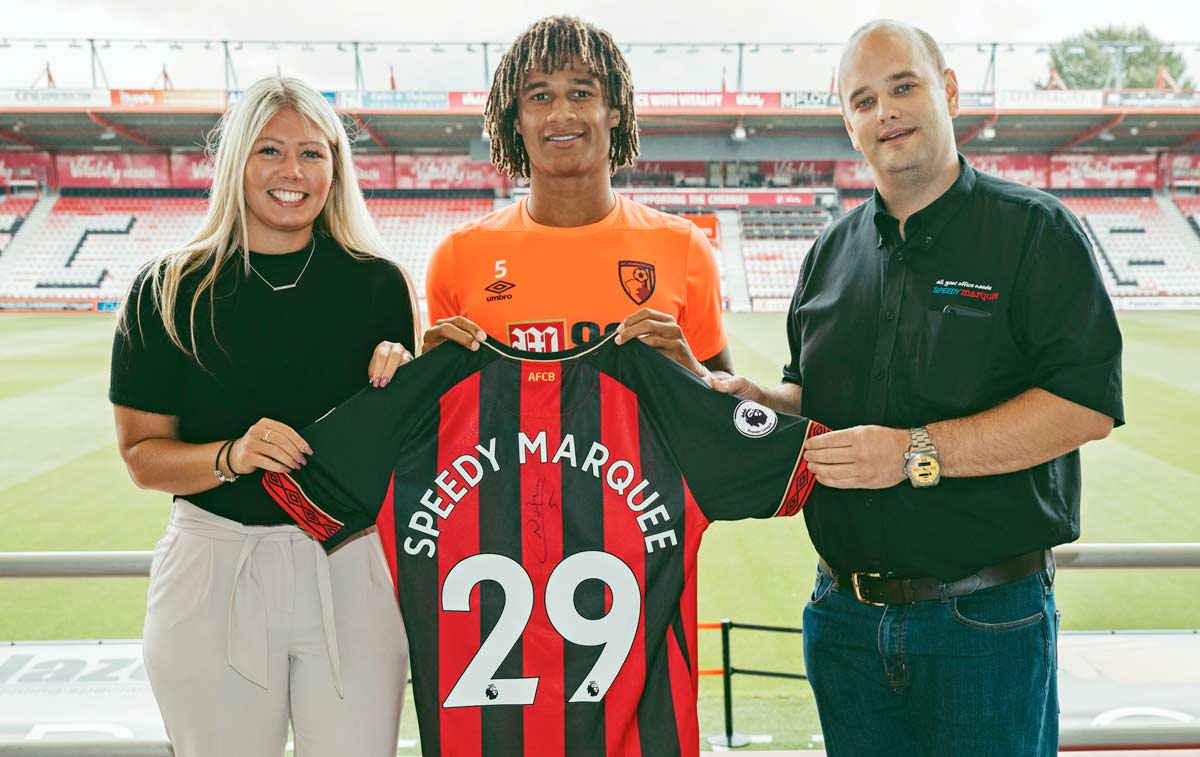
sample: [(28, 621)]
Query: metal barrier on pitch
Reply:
[(1076, 556)]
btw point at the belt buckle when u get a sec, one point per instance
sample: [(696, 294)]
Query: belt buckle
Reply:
[(855, 582)]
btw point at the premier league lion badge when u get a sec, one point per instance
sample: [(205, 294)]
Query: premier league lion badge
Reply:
[(637, 279), (754, 420)]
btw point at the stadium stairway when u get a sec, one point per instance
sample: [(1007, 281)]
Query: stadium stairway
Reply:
[(1178, 223), (30, 229), (732, 261)]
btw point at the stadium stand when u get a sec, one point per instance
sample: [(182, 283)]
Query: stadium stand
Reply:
[(413, 227), (90, 247), (774, 243), (1190, 207), (1138, 252), (13, 211)]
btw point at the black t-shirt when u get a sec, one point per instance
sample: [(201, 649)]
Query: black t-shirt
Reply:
[(994, 290), (289, 355)]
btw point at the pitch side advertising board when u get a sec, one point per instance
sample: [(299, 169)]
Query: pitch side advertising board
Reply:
[(125, 170), (24, 166), (706, 102), (191, 170), (86, 691), (1030, 170), (446, 172), (375, 171), (810, 173), (1103, 171), (190, 100), (730, 199), (55, 98), (853, 174), (1183, 169)]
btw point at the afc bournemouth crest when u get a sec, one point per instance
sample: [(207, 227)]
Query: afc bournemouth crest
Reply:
[(637, 279)]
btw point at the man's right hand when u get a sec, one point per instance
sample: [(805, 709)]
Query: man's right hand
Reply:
[(456, 329)]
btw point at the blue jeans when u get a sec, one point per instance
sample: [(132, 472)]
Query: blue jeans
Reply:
[(974, 675)]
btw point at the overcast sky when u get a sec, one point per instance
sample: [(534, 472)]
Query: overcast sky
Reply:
[(500, 20)]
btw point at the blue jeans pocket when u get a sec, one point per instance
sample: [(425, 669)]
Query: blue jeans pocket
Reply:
[(820, 590), (1002, 608)]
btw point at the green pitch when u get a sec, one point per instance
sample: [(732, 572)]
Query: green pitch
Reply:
[(63, 487)]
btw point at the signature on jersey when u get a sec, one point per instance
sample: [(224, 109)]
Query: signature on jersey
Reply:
[(538, 503)]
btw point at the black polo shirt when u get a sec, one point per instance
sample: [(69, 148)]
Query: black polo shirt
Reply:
[(994, 291)]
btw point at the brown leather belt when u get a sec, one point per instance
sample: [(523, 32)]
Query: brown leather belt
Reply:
[(877, 589)]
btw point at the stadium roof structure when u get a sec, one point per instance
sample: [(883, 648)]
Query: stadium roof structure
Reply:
[(1120, 122), (1035, 121)]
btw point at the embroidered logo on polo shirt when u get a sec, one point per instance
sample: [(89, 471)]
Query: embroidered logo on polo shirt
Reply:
[(968, 289)]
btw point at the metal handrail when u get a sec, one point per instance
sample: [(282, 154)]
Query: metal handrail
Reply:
[(75, 564), (1072, 556), (1158, 736), (137, 563), (111, 748)]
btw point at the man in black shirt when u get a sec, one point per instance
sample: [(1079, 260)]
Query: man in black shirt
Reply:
[(956, 330)]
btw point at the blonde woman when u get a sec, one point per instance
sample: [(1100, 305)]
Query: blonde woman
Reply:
[(280, 307)]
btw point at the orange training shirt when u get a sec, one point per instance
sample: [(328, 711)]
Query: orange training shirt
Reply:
[(547, 288)]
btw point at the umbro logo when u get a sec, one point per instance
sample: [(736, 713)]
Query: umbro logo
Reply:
[(499, 290)]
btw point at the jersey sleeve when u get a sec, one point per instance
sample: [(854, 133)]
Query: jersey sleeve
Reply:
[(740, 459), (147, 368), (440, 297), (355, 448), (702, 324)]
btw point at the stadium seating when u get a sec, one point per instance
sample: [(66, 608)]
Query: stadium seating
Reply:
[(90, 247), (774, 243), (1190, 207), (12, 212), (1138, 252), (411, 228)]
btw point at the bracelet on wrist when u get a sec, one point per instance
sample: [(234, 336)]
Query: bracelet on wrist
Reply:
[(229, 460), (217, 465)]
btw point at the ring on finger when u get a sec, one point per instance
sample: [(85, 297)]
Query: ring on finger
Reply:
[(267, 436)]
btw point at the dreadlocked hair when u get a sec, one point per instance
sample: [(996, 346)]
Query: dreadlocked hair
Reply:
[(550, 45)]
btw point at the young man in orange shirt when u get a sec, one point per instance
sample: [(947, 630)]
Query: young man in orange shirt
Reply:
[(574, 261)]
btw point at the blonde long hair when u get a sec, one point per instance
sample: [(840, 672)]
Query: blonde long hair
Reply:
[(224, 234)]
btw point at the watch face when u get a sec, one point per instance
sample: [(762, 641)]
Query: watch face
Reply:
[(924, 469)]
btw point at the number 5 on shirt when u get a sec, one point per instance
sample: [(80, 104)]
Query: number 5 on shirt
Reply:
[(615, 631)]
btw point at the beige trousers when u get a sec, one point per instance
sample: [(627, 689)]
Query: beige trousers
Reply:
[(248, 628)]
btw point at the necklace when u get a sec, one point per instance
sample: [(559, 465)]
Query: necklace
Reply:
[(297, 281)]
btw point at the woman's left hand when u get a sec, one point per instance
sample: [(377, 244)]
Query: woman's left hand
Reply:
[(387, 357)]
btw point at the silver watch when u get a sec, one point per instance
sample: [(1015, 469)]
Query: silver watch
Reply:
[(921, 463)]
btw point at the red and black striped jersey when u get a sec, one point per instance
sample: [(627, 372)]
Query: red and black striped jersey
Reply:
[(542, 515)]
